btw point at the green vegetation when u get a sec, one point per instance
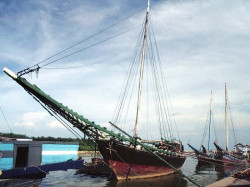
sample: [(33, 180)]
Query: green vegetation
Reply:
[(84, 144)]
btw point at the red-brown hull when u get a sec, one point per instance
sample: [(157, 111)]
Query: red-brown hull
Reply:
[(208, 160), (130, 163), (133, 171)]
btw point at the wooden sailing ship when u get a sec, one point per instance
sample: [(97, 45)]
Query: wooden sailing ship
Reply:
[(227, 156), (204, 156), (129, 156)]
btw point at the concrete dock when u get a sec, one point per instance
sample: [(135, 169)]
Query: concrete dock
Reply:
[(242, 178), (231, 181)]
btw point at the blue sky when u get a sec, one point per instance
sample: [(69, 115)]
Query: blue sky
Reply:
[(202, 45)]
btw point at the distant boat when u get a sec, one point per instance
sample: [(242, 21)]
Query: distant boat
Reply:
[(207, 159), (221, 156), (228, 157), (204, 155)]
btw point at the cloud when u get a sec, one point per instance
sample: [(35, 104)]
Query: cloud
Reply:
[(30, 119), (202, 45), (55, 124)]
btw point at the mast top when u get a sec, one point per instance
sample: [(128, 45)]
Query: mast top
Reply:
[(148, 5)]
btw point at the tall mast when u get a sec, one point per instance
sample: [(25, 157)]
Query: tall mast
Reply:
[(226, 120), (210, 120), (141, 73)]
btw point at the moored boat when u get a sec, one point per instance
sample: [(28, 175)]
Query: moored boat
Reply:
[(207, 159), (207, 156), (128, 162), (228, 157)]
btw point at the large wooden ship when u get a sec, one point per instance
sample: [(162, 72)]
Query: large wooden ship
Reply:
[(129, 156), (126, 158)]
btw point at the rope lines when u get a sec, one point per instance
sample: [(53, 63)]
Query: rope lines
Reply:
[(216, 125), (156, 84), (89, 46), (129, 81), (231, 120), (62, 121), (213, 122), (37, 66), (6, 120), (76, 67)]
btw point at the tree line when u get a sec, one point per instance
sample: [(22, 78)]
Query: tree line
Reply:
[(84, 144)]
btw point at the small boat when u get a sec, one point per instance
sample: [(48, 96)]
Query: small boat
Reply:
[(97, 167), (39, 172)]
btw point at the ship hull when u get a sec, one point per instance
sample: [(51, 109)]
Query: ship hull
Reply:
[(229, 159), (208, 160), (130, 163)]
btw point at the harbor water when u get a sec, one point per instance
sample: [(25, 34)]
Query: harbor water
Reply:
[(202, 174)]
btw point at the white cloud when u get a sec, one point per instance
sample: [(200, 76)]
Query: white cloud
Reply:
[(202, 45), (55, 124), (33, 119), (25, 124)]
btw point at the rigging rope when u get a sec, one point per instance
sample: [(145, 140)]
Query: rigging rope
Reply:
[(90, 46), (73, 67), (166, 92), (128, 81), (63, 122), (205, 129), (51, 113), (6, 120), (161, 91), (231, 119), (28, 70)]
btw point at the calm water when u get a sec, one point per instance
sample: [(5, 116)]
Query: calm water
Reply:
[(202, 174)]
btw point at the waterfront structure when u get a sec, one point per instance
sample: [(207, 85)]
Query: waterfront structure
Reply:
[(17, 153)]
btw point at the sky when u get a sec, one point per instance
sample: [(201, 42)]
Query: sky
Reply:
[(202, 46)]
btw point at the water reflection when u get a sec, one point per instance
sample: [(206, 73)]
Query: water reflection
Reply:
[(203, 174), (171, 180), (19, 182)]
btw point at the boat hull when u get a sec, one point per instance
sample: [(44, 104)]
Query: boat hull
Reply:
[(229, 159), (226, 160), (130, 163), (208, 160)]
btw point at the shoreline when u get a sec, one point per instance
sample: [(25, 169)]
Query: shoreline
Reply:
[(88, 152)]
